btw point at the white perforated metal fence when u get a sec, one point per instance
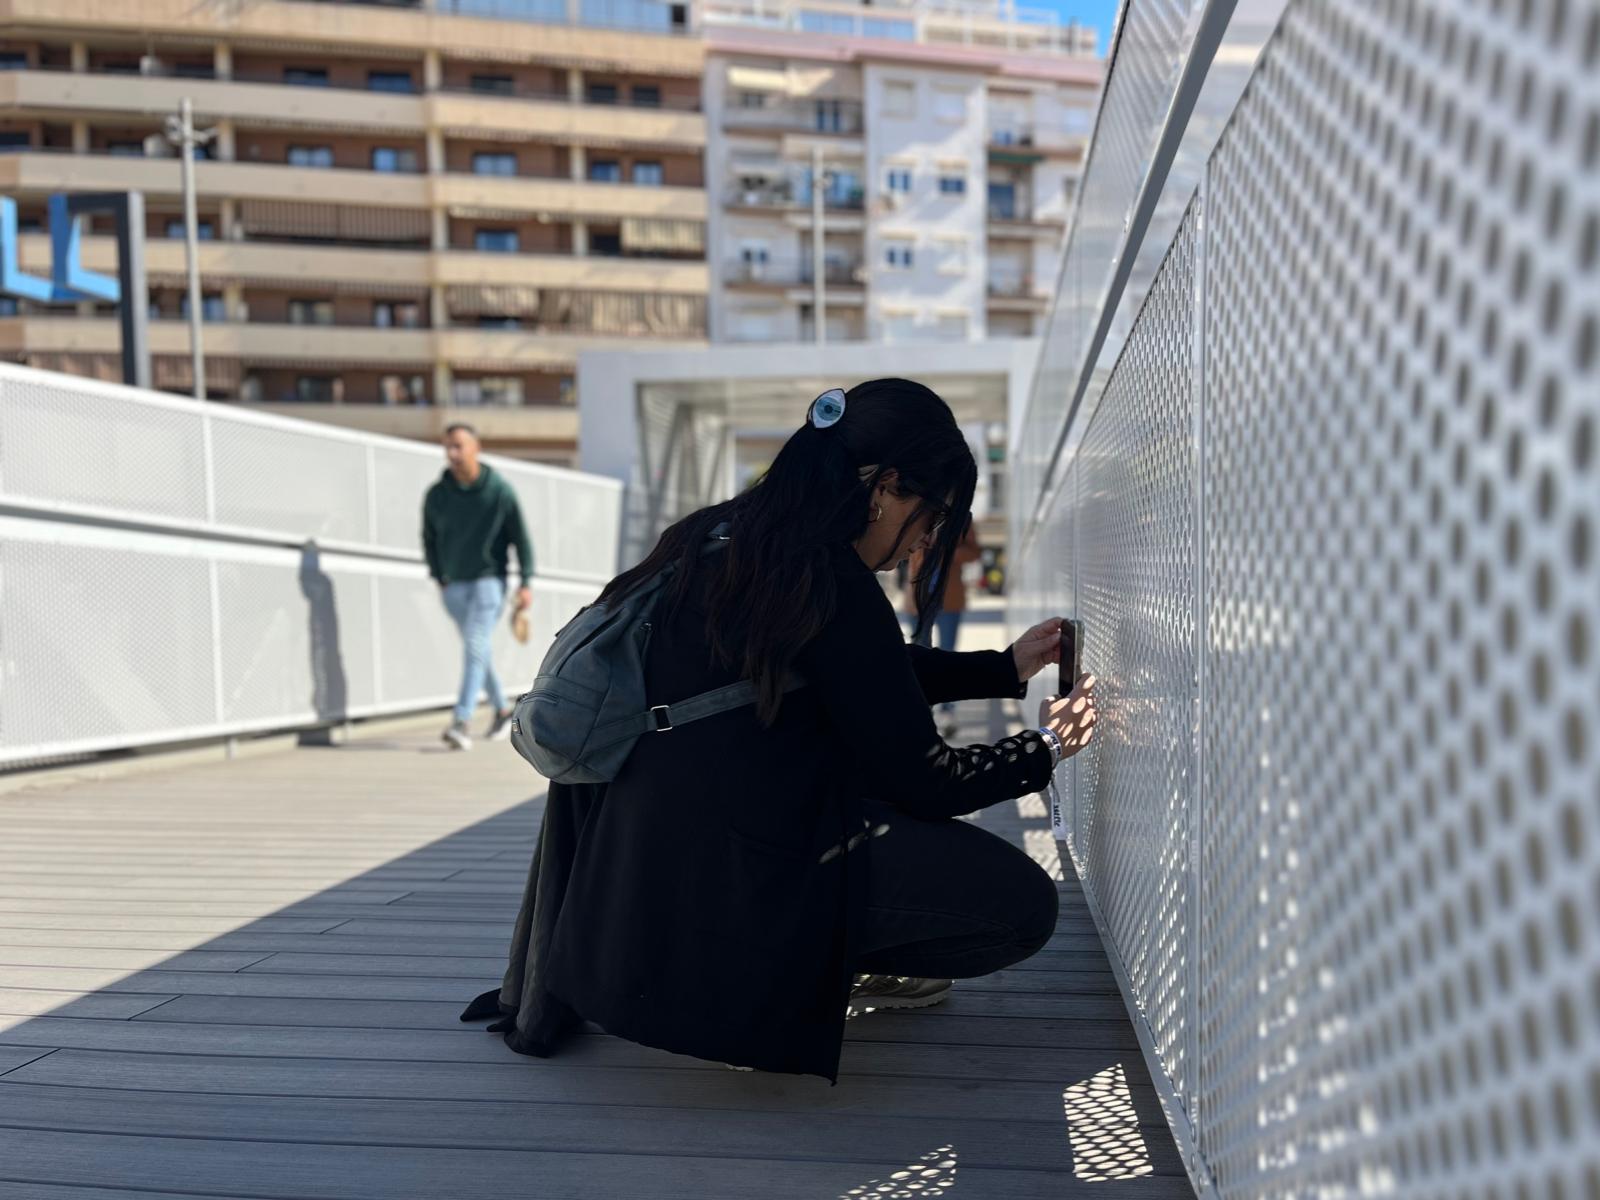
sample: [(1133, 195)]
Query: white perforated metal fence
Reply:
[(1329, 516), (171, 570)]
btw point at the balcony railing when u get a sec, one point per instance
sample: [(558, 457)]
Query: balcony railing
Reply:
[(517, 91), (818, 116), (787, 196), (1014, 286), (791, 273)]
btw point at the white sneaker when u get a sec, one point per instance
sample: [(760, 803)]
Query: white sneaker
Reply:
[(457, 735)]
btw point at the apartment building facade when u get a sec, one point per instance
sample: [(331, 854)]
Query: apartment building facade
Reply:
[(943, 173), (423, 210), (407, 215)]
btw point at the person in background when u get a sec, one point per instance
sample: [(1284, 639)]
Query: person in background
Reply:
[(952, 603), (470, 519)]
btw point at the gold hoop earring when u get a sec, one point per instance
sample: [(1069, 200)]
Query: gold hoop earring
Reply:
[(877, 514)]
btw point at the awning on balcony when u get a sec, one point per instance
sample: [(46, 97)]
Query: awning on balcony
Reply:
[(760, 168), (623, 313), (758, 79), (292, 218), (650, 233), (570, 310), (106, 367), (489, 301), (177, 373)]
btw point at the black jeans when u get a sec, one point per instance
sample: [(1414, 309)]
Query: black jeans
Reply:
[(947, 900)]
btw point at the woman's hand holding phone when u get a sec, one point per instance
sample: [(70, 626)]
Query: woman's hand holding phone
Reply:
[(1071, 717)]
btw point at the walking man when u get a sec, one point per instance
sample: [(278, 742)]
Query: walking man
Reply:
[(470, 518)]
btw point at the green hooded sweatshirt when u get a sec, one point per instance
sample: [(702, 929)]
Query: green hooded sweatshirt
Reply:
[(466, 529)]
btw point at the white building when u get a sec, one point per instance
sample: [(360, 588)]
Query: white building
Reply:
[(949, 142)]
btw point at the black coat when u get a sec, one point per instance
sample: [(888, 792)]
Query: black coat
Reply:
[(703, 901)]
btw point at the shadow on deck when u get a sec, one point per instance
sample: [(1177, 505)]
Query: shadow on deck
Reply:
[(243, 980)]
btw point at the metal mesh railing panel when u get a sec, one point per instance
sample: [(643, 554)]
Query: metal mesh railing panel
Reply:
[(129, 617), (1375, 970), (62, 443), (1135, 594), (293, 481), (1400, 941), (98, 638), (1139, 87)]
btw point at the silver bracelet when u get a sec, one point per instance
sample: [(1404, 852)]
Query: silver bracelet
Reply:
[(1053, 740)]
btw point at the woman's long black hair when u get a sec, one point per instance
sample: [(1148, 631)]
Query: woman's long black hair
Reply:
[(773, 587)]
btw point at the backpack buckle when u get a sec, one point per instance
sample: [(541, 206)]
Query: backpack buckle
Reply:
[(663, 717)]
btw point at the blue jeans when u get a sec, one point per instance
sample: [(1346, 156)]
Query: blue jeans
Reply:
[(946, 625), (474, 605)]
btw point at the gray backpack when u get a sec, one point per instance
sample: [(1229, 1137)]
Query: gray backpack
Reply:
[(588, 707)]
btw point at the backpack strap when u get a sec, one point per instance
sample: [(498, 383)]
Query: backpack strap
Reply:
[(660, 718)]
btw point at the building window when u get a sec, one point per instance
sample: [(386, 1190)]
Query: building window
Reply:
[(125, 149), (647, 174), (828, 116), (212, 308), (499, 323), (605, 170), (953, 325), (897, 253), (495, 85), (311, 312), (754, 253), (1002, 200), (952, 185), (752, 100), (841, 24), (898, 180), (394, 160), (504, 390), (311, 156), (877, 27), (844, 189), (205, 231), (396, 314), (306, 76), (899, 99), (314, 389), (8, 306), (602, 93), (496, 163), (950, 104), (646, 95), (398, 389), (12, 139), (500, 241), (606, 243), (389, 81), (194, 70), (13, 60)]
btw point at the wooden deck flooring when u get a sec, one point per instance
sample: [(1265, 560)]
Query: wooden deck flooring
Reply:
[(243, 979)]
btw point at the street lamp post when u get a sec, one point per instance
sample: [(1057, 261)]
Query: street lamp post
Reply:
[(182, 133)]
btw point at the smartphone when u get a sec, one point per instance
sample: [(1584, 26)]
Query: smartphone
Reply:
[(1071, 656)]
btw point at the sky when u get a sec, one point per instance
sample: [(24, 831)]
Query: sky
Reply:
[(1102, 14)]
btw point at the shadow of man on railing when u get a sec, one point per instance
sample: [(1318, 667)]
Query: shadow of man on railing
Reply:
[(330, 691)]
